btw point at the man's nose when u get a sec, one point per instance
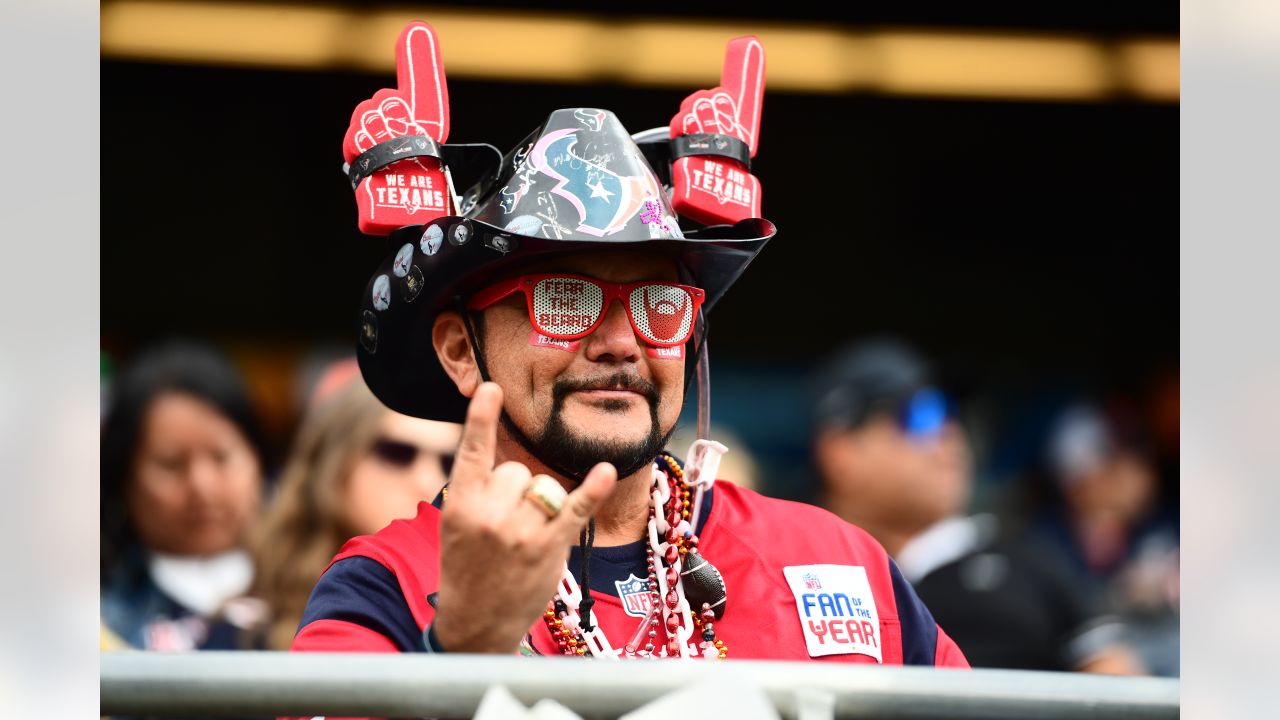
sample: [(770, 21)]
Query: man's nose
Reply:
[(614, 340)]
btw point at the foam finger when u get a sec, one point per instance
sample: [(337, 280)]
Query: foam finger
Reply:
[(420, 78), (743, 78)]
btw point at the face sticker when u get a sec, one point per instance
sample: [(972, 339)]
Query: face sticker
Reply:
[(524, 225), (432, 239), (836, 609), (369, 331), (381, 293), (403, 259), (460, 234), (665, 353), (537, 338), (412, 284)]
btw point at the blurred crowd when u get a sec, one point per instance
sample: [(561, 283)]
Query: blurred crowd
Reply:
[(213, 530)]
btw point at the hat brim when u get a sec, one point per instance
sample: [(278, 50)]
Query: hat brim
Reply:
[(426, 269)]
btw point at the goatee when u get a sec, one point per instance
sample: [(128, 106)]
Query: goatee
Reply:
[(576, 453)]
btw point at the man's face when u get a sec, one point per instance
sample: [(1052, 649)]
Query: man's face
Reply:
[(900, 480), (606, 399)]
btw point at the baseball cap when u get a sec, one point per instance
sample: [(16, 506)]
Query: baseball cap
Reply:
[(878, 376)]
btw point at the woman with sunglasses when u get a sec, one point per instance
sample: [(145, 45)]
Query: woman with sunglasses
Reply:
[(355, 467)]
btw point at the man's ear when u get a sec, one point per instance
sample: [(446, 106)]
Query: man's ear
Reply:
[(453, 348)]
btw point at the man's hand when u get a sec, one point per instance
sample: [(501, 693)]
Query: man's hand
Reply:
[(501, 558), (412, 191)]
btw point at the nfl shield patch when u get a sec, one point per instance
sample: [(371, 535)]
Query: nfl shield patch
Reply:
[(634, 594)]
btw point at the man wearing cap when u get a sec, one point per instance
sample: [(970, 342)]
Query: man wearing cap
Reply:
[(893, 458), (562, 319)]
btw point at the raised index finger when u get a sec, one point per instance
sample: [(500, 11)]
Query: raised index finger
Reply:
[(743, 78), (475, 458), (420, 78)]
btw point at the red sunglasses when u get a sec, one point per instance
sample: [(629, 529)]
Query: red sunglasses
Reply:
[(568, 307)]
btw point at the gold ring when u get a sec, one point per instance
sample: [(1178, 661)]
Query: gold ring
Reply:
[(547, 494)]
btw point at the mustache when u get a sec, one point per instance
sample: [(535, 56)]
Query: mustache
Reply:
[(617, 381)]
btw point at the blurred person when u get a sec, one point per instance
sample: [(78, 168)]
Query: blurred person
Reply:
[(564, 319), (182, 482), (893, 459), (355, 466), (1105, 528)]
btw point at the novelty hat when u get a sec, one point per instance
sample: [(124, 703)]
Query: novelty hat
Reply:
[(579, 183)]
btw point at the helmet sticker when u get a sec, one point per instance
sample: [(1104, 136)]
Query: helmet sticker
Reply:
[(369, 331), (432, 239), (538, 339), (412, 284), (665, 353), (381, 293), (605, 201), (591, 119), (460, 234), (524, 225), (403, 259)]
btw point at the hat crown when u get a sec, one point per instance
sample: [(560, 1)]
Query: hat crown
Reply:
[(580, 176)]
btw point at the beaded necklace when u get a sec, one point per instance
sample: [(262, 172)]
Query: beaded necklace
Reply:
[(673, 548)]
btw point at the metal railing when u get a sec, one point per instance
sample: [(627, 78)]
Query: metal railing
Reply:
[(307, 684)]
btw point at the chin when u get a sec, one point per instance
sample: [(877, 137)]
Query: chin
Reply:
[(616, 430)]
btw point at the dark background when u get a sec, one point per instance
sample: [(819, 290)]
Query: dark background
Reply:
[(1029, 247)]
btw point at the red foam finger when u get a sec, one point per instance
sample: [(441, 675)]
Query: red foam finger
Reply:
[(407, 192), (414, 190), (375, 125), (706, 112), (350, 148), (400, 122), (421, 80), (713, 189), (743, 78), (725, 110)]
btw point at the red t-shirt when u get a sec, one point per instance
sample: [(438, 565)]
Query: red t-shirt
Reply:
[(373, 596)]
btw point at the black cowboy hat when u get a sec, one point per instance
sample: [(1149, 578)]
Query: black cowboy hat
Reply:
[(579, 183)]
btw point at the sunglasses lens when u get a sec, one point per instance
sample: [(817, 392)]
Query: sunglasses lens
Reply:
[(925, 413), (662, 313), (566, 307), (395, 452)]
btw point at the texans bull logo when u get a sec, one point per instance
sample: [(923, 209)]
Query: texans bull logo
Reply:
[(605, 200)]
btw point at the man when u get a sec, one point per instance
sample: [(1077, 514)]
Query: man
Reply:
[(893, 459), (562, 320)]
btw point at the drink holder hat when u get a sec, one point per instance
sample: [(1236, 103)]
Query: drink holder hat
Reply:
[(578, 183)]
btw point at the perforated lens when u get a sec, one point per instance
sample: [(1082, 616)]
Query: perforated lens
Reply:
[(662, 313), (564, 307)]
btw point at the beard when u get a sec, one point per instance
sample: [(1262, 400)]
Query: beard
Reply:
[(565, 449)]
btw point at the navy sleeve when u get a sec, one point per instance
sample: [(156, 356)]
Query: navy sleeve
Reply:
[(919, 629), (362, 591)]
